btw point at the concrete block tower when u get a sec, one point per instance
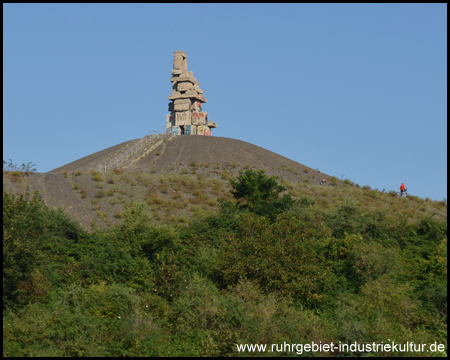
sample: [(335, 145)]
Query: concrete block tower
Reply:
[(186, 116)]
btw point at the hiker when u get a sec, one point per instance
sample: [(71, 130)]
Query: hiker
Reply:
[(402, 189), (322, 182)]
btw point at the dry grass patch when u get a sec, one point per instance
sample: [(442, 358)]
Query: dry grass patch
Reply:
[(164, 188), (100, 193), (113, 201), (182, 204), (96, 176), (128, 179), (153, 199), (83, 193), (211, 202), (96, 206), (194, 164), (176, 195), (225, 175)]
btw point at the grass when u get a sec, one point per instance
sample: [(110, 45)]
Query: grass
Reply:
[(225, 175), (100, 193), (96, 176), (153, 198), (176, 195), (181, 196), (164, 188), (194, 164), (288, 169), (83, 194)]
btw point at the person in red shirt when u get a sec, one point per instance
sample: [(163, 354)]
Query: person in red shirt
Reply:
[(402, 189)]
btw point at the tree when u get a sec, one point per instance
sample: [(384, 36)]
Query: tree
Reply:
[(260, 194)]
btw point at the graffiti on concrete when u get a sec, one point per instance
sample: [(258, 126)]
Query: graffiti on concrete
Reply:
[(201, 129), (182, 118)]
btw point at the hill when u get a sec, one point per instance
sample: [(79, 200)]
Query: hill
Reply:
[(88, 195), (341, 265), (171, 154), (180, 177)]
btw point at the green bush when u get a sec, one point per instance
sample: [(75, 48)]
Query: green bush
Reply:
[(346, 219), (260, 194), (245, 274), (274, 255), (31, 232)]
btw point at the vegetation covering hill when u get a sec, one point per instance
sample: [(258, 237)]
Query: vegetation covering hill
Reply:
[(160, 173), (175, 272), (179, 179)]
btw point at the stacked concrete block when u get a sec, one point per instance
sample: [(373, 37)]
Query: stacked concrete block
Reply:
[(186, 114)]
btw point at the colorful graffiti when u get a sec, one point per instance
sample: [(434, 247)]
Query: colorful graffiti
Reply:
[(187, 130), (183, 118), (196, 106), (198, 118), (176, 130), (207, 132), (198, 115)]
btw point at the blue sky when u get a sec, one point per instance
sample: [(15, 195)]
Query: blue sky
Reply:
[(357, 91)]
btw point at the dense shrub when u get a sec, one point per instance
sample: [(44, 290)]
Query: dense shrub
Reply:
[(250, 273), (260, 194), (32, 232)]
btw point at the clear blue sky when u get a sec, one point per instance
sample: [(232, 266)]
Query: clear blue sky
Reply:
[(357, 91)]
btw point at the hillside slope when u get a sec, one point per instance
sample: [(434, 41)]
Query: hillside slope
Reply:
[(181, 177), (173, 154)]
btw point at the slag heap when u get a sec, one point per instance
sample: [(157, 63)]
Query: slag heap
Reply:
[(186, 116)]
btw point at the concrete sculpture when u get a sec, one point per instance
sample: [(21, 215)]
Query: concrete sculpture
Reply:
[(186, 116)]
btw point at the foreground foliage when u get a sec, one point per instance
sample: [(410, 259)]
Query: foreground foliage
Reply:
[(247, 274)]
